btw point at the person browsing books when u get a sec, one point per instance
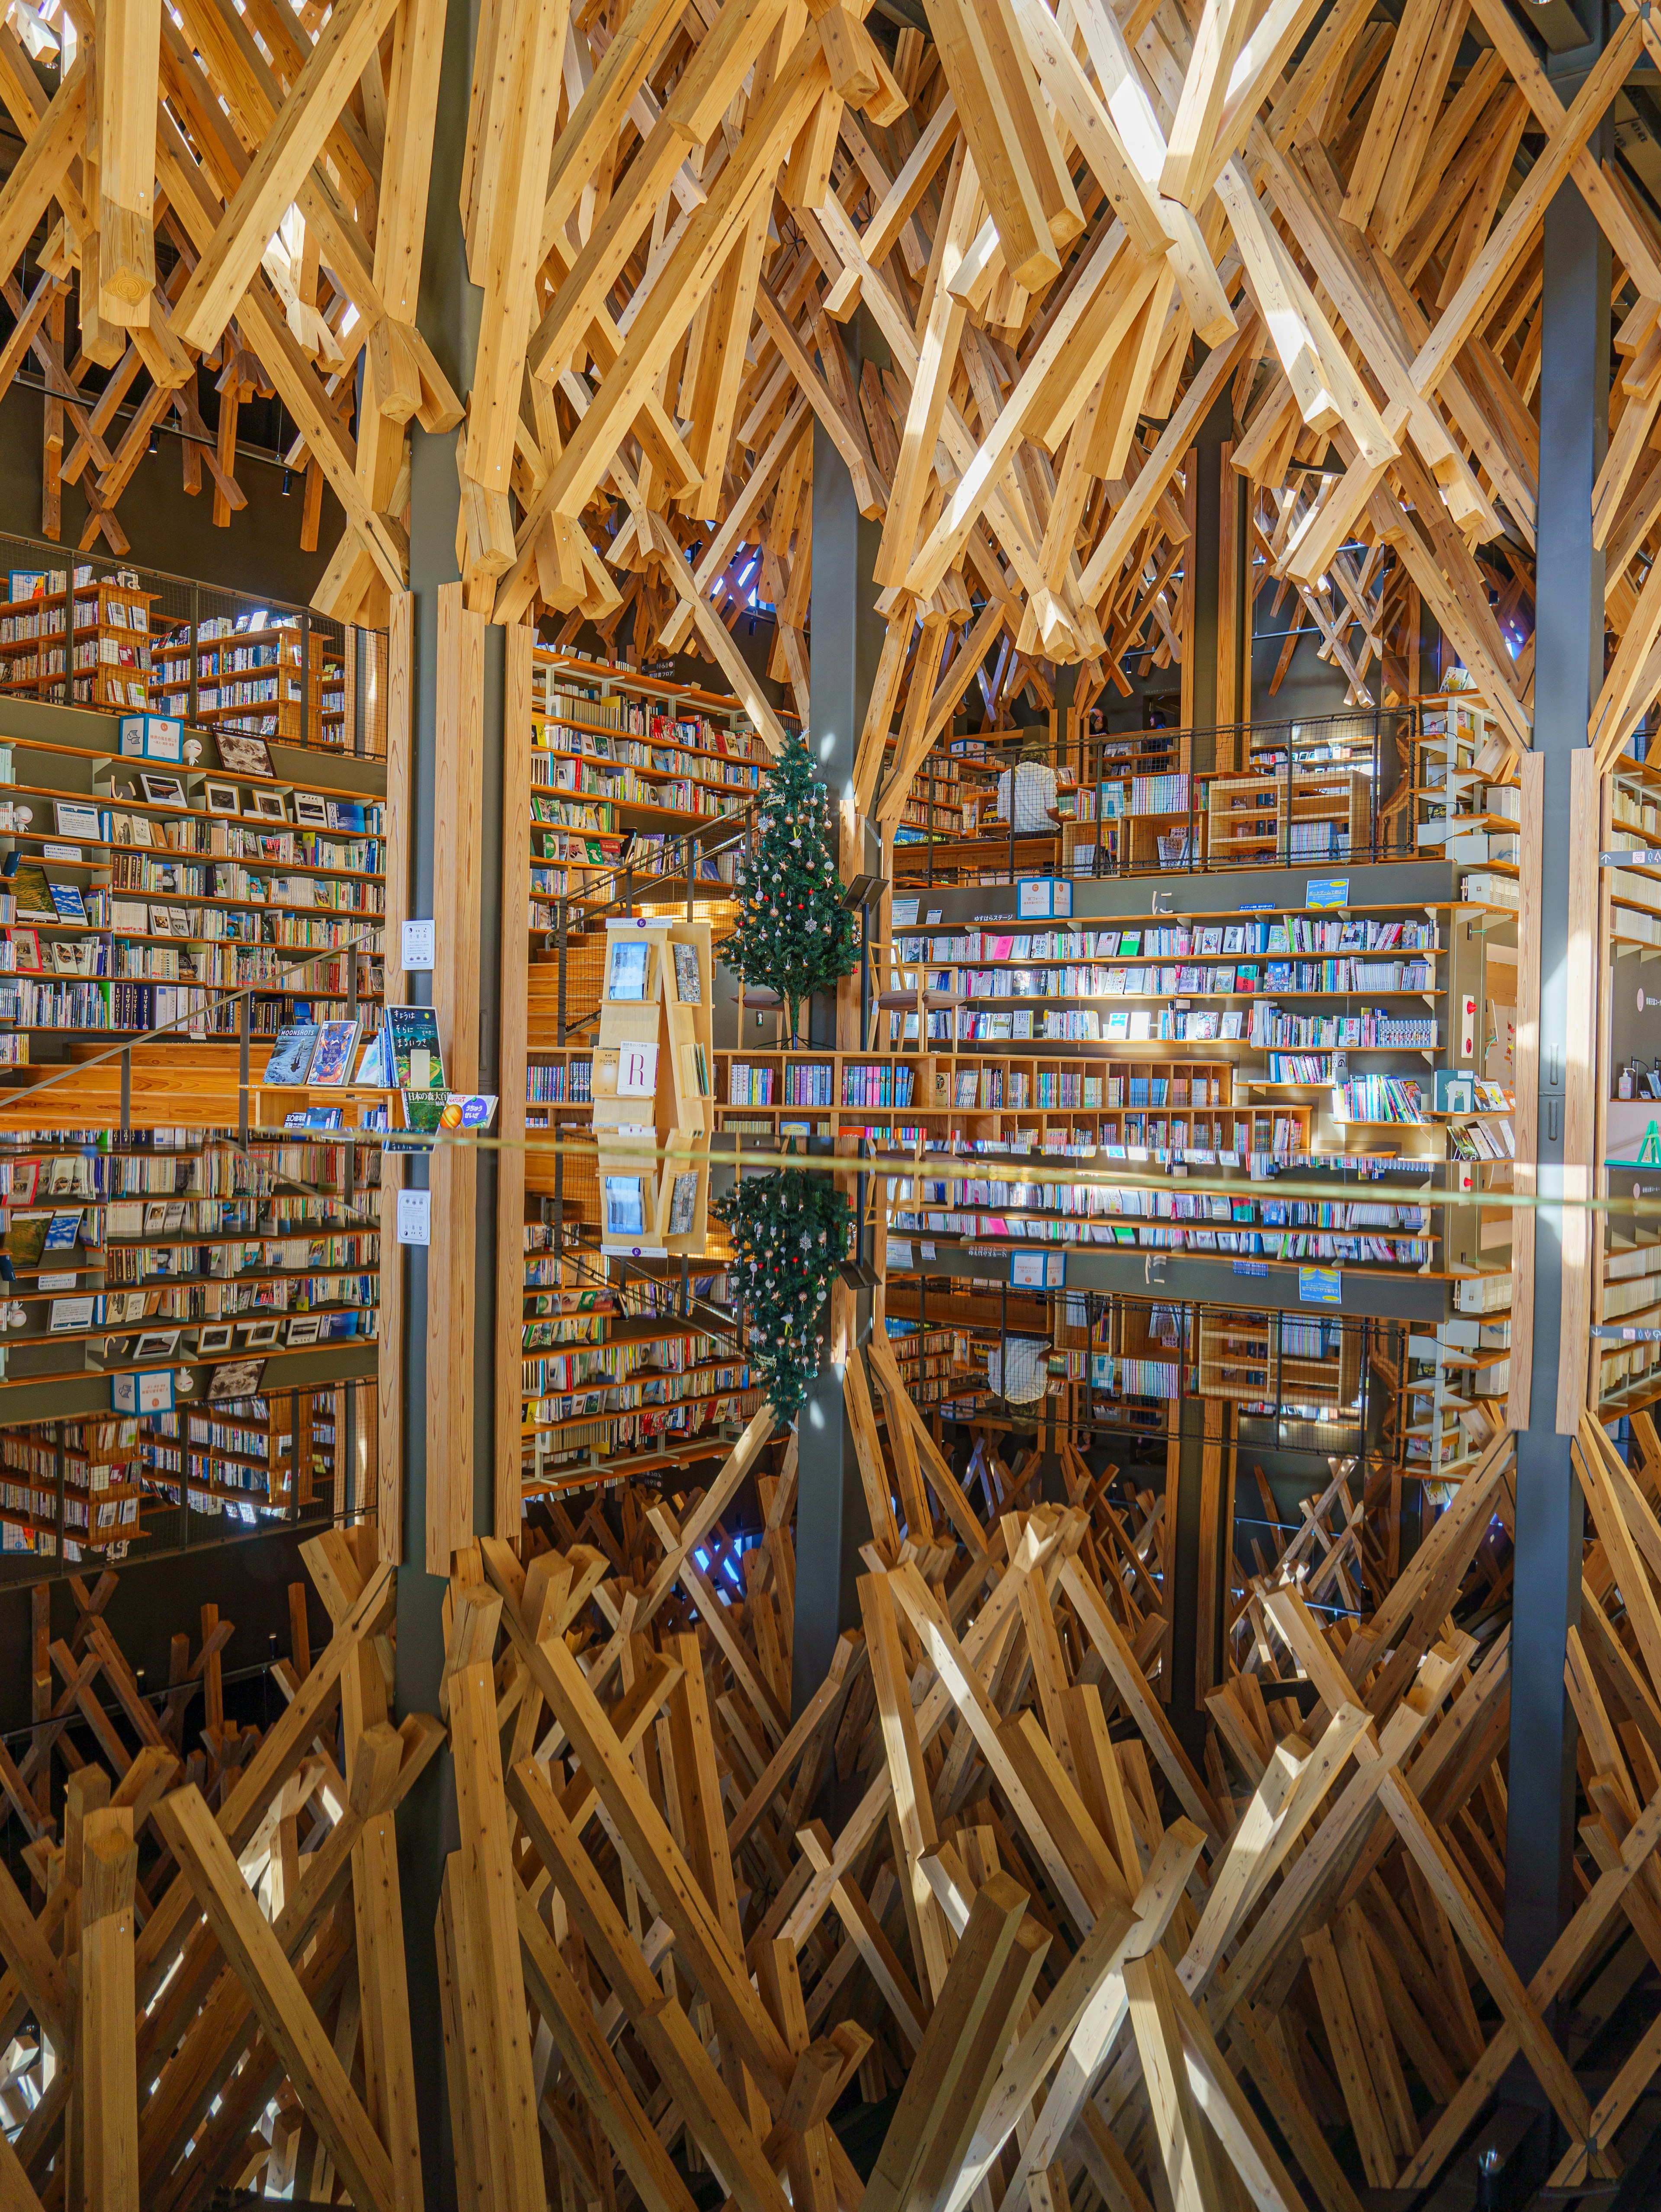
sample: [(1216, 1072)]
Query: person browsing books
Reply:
[(1029, 788)]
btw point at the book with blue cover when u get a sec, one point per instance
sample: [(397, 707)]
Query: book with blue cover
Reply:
[(291, 1056)]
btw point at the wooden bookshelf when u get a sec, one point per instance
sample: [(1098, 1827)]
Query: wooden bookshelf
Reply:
[(279, 680), (85, 643), (184, 903)]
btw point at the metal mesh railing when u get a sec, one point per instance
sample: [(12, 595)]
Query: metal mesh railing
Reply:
[(1330, 790)]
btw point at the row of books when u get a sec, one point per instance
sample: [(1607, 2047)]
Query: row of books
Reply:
[(1378, 1098), (1160, 1236), (1085, 1025), (558, 1083), (1371, 1030), (876, 1084)]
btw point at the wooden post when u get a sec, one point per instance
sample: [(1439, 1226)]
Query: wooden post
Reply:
[(389, 1347), (512, 1017), (453, 1173)]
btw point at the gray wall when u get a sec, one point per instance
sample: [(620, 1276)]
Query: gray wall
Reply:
[(260, 552)]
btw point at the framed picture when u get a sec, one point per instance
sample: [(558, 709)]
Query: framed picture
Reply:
[(237, 1378), (303, 1330), (267, 806), (215, 1339), (260, 1335), (157, 1344), (310, 811), (245, 755), (163, 790), (75, 818), (223, 798)]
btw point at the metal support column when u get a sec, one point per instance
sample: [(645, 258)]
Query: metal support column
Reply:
[(1574, 385), (847, 634), (1205, 553), (447, 314)]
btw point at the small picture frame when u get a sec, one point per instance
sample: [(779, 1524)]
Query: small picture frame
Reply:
[(267, 806), (163, 790), (209, 1341), (303, 1330), (311, 811), (157, 1344), (260, 1335), (237, 1378), (223, 798), (244, 755), (77, 818)]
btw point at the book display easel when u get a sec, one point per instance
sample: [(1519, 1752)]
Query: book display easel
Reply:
[(652, 1084)]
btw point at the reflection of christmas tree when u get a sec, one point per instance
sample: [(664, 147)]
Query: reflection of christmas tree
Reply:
[(789, 1230), (795, 936)]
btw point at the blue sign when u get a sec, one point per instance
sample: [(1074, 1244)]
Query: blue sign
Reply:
[(1320, 1286), (1250, 1267), (1322, 892)]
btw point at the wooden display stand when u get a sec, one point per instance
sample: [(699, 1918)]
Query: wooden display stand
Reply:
[(653, 1087)]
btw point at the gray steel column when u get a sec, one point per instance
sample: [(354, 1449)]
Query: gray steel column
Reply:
[(1206, 554), (845, 641), (1574, 385), (448, 313)]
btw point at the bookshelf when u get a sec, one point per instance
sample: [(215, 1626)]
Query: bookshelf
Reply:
[(76, 639), (176, 1250), (1291, 1363), (621, 766), (224, 1468), (277, 677), (134, 897)]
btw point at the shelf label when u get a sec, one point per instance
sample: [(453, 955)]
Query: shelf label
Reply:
[(1251, 1267)]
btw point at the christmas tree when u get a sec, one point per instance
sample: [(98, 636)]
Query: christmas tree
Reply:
[(790, 1231), (795, 936)]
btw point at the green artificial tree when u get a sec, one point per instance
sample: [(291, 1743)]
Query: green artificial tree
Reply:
[(790, 1231), (795, 936)]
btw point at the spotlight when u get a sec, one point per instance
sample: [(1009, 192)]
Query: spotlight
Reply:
[(287, 481), (155, 444)]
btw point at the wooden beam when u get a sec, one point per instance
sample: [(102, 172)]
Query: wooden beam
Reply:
[(230, 259), (320, 2082)]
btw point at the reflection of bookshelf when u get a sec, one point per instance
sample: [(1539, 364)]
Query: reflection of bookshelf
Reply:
[(184, 906), (1294, 1362), (278, 680), (177, 1233), (99, 1462)]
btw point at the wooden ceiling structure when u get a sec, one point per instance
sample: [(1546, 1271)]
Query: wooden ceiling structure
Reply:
[(1072, 231)]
